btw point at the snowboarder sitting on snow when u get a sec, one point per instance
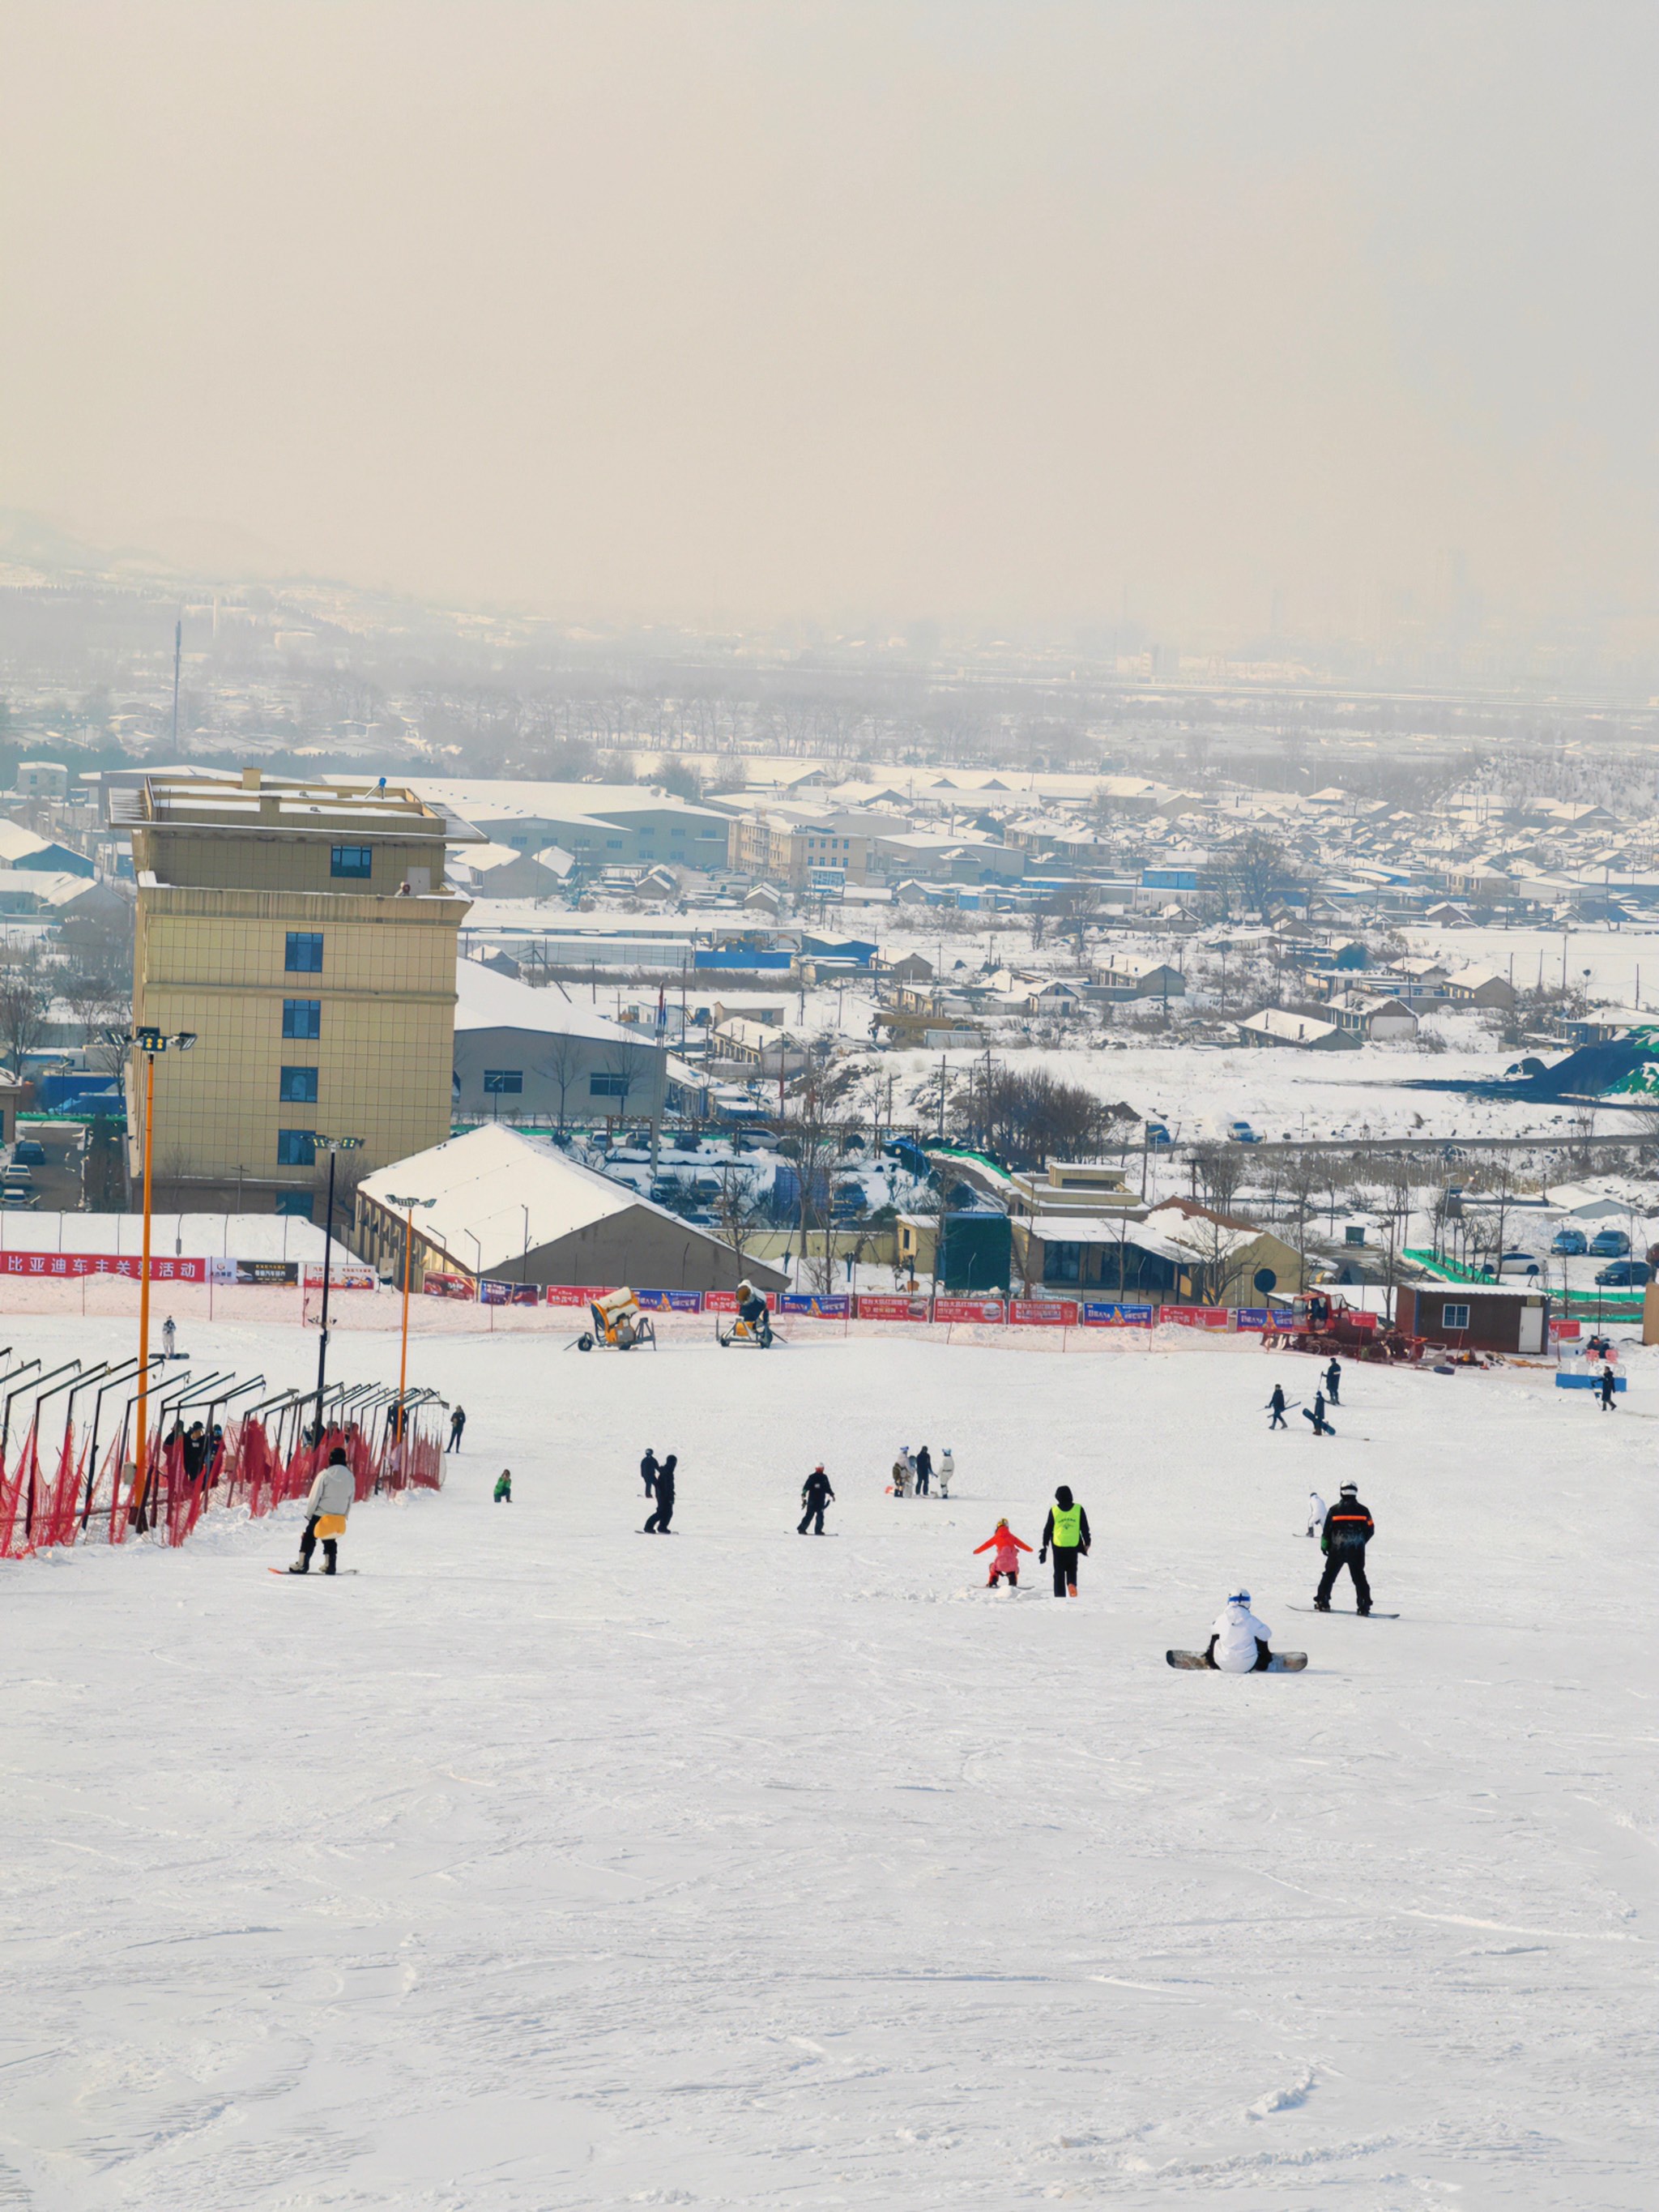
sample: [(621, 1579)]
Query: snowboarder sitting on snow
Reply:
[(1322, 1427), (327, 1506), (945, 1469), (1317, 1510), (657, 1524), (924, 1470), (1065, 1532), (1006, 1559), (815, 1495), (504, 1486), (1239, 1643), (1334, 1380), (1348, 1528), (1276, 1407)]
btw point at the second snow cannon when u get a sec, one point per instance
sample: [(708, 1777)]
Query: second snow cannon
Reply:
[(618, 1323), (753, 1325)]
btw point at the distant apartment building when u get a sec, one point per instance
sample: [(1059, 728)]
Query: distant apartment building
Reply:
[(797, 849), (306, 934)]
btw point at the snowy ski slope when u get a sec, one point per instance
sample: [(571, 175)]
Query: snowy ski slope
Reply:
[(545, 1865)]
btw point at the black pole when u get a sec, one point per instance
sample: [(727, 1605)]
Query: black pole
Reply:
[(322, 1345)]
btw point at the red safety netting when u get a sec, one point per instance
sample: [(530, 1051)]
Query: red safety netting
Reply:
[(70, 1502)]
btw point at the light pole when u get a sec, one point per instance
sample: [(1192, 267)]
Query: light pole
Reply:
[(149, 1041), (409, 1206), (333, 1147)]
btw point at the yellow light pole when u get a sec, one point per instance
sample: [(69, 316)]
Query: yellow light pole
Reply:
[(149, 1041), (409, 1206)]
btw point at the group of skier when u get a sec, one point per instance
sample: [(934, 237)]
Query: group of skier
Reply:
[(914, 1472), (1331, 1386), (1065, 1534)]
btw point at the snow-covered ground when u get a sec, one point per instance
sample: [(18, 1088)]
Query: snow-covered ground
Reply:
[(543, 1865)]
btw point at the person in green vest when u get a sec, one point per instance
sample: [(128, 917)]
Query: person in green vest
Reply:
[(1066, 1533)]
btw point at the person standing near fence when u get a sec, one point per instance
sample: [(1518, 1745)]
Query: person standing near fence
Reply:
[(330, 1500), (457, 1422)]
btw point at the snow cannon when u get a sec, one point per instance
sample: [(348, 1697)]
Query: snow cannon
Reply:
[(753, 1325), (618, 1324)]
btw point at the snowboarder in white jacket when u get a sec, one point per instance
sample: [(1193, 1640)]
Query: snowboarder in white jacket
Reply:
[(1239, 1643), (332, 1494), (944, 1470), (1317, 1510)]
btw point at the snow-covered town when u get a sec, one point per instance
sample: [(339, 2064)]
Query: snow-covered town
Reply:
[(878, 790)]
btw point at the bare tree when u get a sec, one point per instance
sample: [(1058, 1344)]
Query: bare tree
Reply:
[(740, 1207), (562, 1058), (25, 996)]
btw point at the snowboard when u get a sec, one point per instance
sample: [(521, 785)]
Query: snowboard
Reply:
[(1282, 1662), (1372, 1615), (316, 1575)]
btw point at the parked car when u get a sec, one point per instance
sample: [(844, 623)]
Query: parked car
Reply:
[(1623, 1275), (1571, 1243), (12, 1196), (1609, 1244), (1241, 1133), (1518, 1263), (20, 1177), (29, 1152)]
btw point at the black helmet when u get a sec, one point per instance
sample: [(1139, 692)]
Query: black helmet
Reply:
[(1062, 1495)]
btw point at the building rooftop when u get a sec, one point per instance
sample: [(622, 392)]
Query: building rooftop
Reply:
[(201, 801)]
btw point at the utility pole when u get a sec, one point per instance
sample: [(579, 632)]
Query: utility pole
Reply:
[(178, 656)]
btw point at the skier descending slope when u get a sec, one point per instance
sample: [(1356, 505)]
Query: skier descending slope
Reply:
[(1348, 1528), (1317, 1510), (1239, 1643), (1005, 1559), (1065, 1532), (326, 1508)]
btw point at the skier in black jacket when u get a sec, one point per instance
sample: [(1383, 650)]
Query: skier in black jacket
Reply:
[(1065, 1532), (657, 1524), (1333, 1381), (648, 1472), (1322, 1427), (815, 1495), (1276, 1407), (924, 1470), (1348, 1528)]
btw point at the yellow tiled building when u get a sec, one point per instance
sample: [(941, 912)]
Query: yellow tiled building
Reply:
[(307, 934)]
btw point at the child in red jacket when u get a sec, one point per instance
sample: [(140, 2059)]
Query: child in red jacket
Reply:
[(1006, 1560)]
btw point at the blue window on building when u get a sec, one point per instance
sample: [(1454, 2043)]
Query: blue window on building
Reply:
[(502, 1080), (297, 1204), (302, 1017), (296, 1148), (608, 1086), (351, 860), (299, 1087), (305, 952)]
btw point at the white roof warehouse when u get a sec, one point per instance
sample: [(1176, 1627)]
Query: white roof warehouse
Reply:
[(514, 1207)]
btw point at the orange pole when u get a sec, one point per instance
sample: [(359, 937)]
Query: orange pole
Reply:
[(141, 1461), (403, 1363)]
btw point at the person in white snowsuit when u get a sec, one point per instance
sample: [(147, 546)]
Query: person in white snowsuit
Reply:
[(903, 1471), (944, 1470), (169, 1337), (332, 1497), (1317, 1510), (1239, 1643)]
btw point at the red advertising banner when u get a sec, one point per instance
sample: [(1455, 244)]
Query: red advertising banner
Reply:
[(980, 1309), (449, 1286), (878, 1306), (574, 1294), (1194, 1316), (1043, 1313), (66, 1265), (342, 1276)]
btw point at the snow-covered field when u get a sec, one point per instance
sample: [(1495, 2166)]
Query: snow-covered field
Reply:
[(544, 1865)]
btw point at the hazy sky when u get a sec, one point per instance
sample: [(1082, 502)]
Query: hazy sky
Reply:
[(852, 311)]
